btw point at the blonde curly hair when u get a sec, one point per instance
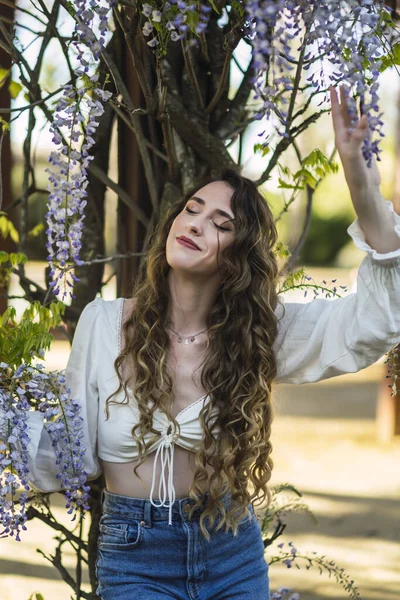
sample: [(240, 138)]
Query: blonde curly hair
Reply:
[(239, 364)]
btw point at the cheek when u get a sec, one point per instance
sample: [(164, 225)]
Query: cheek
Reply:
[(173, 230), (224, 243), (176, 226)]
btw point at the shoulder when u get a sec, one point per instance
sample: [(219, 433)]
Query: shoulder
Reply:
[(107, 314), (129, 305)]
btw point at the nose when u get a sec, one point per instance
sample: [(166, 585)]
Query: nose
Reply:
[(194, 228)]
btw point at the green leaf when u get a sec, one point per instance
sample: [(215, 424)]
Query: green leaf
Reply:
[(5, 125), (14, 259), (288, 186), (346, 53), (306, 176), (14, 88), (36, 596), (320, 163), (36, 231), (396, 53), (293, 279), (3, 76), (214, 6), (282, 250), (393, 58), (263, 149), (21, 342), (285, 170), (70, 8), (7, 228), (238, 7)]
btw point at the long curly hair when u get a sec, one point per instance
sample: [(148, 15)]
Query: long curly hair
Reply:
[(239, 364)]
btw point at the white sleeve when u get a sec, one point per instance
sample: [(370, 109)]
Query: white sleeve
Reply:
[(81, 378), (324, 338)]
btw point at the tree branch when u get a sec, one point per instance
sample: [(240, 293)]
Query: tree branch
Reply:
[(222, 83), (23, 10), (33, 513), (238, 104), (122, 194), (21, 109), (137, 63), (192, 75), (211, 150), (128, 123)]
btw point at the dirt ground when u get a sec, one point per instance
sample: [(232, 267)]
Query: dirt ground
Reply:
[(325, 443)]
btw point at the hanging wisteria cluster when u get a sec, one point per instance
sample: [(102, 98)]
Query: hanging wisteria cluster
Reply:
[(341, 33), (73, 138), (14, 408), (68, 180), (21, 390)]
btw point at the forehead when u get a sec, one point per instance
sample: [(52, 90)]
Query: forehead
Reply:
[(217, 194)]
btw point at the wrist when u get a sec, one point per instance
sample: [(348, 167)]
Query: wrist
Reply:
[(361, 188)]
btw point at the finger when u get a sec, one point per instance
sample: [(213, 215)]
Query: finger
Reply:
[(337, 117), (359, 133), (344, 107)]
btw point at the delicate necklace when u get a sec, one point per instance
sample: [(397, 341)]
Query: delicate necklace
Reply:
[(188, 337)]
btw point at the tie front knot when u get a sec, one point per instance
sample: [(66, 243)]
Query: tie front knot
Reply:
[(169, 436), (165, 453)]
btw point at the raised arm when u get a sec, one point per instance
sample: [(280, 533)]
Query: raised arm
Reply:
[(324, 338)]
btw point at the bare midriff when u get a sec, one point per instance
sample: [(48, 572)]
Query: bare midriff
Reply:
[(120, 478)]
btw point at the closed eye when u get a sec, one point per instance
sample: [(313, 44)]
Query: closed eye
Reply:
[(192, 212)]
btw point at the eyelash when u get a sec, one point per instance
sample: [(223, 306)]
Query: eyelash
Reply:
[(192, 212)]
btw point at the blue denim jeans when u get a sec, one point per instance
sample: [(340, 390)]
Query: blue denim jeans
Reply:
[(140, 556)]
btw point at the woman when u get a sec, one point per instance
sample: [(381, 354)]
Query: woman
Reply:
[(188, 363)]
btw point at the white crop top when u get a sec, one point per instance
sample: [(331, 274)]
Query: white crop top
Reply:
[(115, 440), (317, 340)]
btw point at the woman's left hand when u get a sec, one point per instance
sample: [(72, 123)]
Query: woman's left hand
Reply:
[(349, 142)]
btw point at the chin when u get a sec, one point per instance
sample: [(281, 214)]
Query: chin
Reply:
[(178, 259)]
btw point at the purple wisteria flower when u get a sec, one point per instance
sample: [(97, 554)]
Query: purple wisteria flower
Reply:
[(343, 33), (66, 433), (283, 593), (91, 15), (14, 442), (73, 137), (171, 20), (68, 181), (22, 390)]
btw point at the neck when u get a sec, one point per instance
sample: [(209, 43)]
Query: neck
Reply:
[(191, 300)]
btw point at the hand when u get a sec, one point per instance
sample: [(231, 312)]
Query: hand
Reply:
[(349, 142)]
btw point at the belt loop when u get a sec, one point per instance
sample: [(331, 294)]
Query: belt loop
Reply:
[(102, 499), (147, 513)]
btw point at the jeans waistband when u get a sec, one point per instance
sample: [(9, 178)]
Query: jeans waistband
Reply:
[(143, 509)]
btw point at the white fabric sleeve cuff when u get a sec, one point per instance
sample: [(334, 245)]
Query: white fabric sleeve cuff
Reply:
[(359, 239)]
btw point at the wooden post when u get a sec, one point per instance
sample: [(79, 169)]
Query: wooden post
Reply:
[(388, 410), (388, 406), (6, 245), (131, 232)]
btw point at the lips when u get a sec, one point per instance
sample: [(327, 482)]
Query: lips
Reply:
[(187, 242)]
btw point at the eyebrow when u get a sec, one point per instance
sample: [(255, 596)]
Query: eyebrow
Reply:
[(217, 210)]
